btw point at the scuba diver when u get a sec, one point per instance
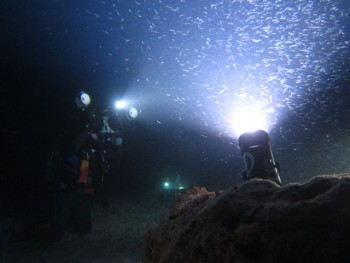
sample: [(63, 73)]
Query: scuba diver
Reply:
[(78, 172), (173, 184)]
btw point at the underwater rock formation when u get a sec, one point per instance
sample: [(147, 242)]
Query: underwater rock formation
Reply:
[(259, 221)]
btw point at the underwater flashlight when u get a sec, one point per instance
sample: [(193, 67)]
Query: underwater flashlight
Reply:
[(121, 104), (249, 118), (130, 112), (83, 100), (133, 113), (166, 185), (257, 155)]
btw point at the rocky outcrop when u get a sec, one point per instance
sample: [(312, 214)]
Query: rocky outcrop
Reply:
[(259, 221)]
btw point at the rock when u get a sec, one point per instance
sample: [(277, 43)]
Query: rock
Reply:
[(259, 221)]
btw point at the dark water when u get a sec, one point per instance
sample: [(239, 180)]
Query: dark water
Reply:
[(192, 69)]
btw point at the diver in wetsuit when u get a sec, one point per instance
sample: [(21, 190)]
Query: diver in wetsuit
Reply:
[(70, 207), (84, 170)]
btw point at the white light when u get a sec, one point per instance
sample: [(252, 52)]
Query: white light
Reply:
[(120, 104), (248, 119), (85, 98), (133, 113)]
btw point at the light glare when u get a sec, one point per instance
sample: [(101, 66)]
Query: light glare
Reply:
[(248, 119), (120, 104)]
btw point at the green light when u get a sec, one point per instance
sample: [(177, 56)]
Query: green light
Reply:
[(166, 185)]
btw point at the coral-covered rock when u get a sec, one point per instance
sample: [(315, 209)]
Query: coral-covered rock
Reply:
[(259, 221), (191, 198)]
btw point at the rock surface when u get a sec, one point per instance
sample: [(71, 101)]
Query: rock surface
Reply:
[(259, 221)]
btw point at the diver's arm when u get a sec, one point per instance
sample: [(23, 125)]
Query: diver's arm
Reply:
[(81, 139)]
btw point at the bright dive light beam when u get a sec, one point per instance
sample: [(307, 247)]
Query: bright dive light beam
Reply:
[(120, 104), (248, 119), (166, 185)]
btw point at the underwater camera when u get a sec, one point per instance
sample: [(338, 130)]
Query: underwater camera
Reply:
[(258, 158)]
